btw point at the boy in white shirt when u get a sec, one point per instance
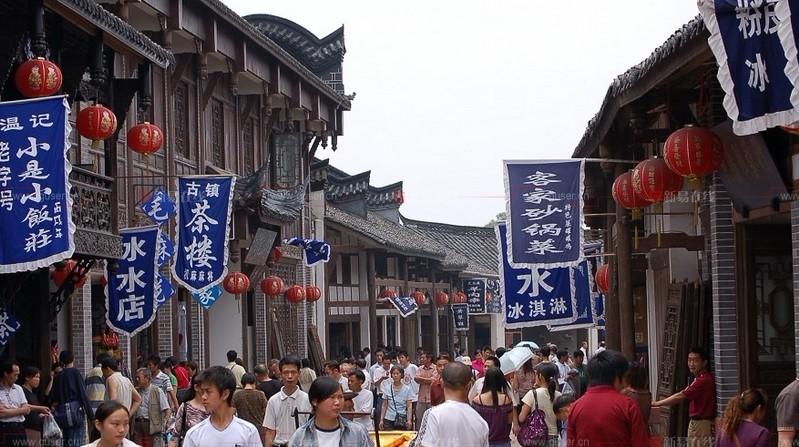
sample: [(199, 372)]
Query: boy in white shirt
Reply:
[(222, 428), (363, 402), (278, 418)]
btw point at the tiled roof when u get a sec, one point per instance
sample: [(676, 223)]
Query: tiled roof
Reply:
[(110, 23), (339, 186), (478, 245), (692, 32)]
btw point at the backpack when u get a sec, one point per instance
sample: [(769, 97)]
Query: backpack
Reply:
[(535, 432)]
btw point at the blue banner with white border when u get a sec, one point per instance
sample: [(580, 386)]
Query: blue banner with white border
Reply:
[(166, 249), (404, 304), (544, 203), (584, 288), (163, 290), (206, 298), (158, 206), (130, 284), (755, 48), (475, 290), (35, 203), (314, 251), (203, 223), (535, 296), (8, 326), (493, 297), (460, 316)]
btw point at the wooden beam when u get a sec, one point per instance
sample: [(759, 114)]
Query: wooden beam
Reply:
[(183, 61), (252, 101), (670, 240), (211, 38), (174, 20), (208, 89)]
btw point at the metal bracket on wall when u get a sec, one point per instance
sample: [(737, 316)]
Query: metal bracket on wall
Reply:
[(67, 288)]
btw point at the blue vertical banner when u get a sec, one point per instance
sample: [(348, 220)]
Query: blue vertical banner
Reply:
[(404, 304), (205, 206), (475, 290), (166, 249), (460, 315), (8, 326), (535, 296), (754, 44), (206, 298), (158, 206), (130, 284), (163, 290), (544, 204), (584, 288), (493, 297), (35, 205)]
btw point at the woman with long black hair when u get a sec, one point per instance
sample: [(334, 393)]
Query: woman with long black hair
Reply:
[(542, 397), (326, 428), (496, 407), (190, 413)]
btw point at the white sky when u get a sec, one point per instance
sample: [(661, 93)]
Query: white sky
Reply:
[(448, 89)]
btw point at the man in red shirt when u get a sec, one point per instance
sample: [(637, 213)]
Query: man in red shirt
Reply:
[(603, 417), (701, 395)]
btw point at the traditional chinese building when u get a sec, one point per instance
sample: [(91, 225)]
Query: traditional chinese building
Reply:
[(723, 277), (231, 101)]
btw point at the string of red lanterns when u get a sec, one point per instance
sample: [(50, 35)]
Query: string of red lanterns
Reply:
[(38, 77), (97, 123)]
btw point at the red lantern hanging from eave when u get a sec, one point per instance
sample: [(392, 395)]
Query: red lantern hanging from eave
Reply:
[(419, 297), (272, 285), (442, 299), (388, 293), (97, 123), (459, 298), (312, 293), (625, 196), (38, 77), (236, 283), (145, 138), (693, 152), (655, 182), (602, 278), (295, 294)]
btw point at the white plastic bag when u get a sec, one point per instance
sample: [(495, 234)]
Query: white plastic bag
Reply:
[(51, 433)]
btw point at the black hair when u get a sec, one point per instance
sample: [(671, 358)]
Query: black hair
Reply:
[(359, 375), (495, 383), (443, 356), (360, 363), (636, 376), (221, 378), (494, 359), (578, 353), (247, 379), (607, 366), (500, 351), (29, 372), (322, 388), (550, 373), (231, 356), (545, 351), (191, 393), (564, 400), (562, 353), (100, 357), (66, 357), (380, 350), (103, 411), (332, 364), (487, 348), (701, 352), (110, 363), (366, 350), (290, 360), (398, 368), (305, 363), (154, 359), (402, 352)]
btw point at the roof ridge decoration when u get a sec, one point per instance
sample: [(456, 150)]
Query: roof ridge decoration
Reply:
[(318, 54), (598, 125)]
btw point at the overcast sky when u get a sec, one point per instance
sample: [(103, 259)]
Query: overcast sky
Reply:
[(448, 89)]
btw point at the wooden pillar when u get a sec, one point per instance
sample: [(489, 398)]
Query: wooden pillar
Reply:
[(370, 283), (612, 332), (624, 280)]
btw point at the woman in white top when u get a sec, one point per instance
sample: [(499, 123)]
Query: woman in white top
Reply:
[(546, 381), (112, 420)]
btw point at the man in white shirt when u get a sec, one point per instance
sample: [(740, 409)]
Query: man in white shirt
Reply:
[(363, 402), (279, 417), (333, 369), (562, 363), (453, 423), (360, 365), (367, 356), (378, 364), (13, 406), (409, 378), (234, 367), (222, 428)]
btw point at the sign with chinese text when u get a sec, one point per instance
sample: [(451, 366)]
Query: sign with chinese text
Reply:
[(130, 286), (493, 297), (166, 249), (35, 206), (535, 296), (163, 290), (207, 297), (544, 201), (8, 326), (158, 206), (475, 290), (755, 48), (314, 251), (203, 223), (404, 304), (460, 315), (584, 288)]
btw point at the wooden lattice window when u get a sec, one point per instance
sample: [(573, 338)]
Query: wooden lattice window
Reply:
[(248, 141), (182, 120), (286, 156), (217, 134)]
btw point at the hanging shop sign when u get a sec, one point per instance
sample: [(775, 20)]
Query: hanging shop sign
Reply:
[(406, 305), (130, 284), (158, 206), (206, 298), (460, 315), (314, 251), (475, 290)]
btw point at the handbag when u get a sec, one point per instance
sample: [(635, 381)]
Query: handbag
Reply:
[(535, 431), (183, 428), (400, 419), (68, 414)]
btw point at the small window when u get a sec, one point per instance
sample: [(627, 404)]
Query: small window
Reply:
[(287, 163)]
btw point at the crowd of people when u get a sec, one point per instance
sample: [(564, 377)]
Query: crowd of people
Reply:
[(556, 398)]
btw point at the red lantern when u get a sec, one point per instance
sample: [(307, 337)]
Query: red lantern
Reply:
[(145, 138), (459, 298), (693, 152), (236, 283), (654, 181), (624, 194), (312, 293), (276, 254), (295, 294), (602, 278), (272, 285), (96, 123), (442, 299), (63, 270), (419, 298), (38, 77), (388, 293)]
